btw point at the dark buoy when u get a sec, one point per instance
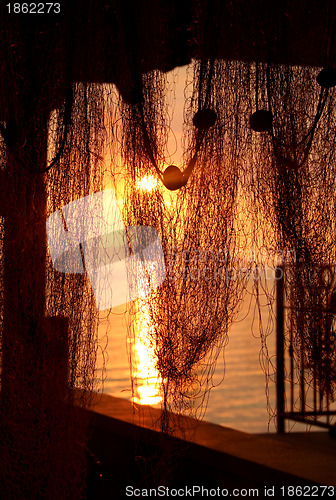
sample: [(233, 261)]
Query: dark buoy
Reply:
[(205, 118), (261, 120), (173, 178), (327, 78)]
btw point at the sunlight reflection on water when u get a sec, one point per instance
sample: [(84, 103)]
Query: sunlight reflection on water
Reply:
[(238, 401), (146, 377)]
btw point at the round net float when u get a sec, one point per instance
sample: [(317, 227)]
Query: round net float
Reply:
[(327, 78), (173, 178), (261, 120), (204, 118)]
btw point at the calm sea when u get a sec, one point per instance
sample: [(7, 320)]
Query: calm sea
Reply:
[(239, 399)]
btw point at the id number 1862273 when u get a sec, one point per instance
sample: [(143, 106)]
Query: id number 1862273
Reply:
[(34, 8)]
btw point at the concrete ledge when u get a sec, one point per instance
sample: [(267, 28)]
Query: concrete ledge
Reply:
[(128, 441)]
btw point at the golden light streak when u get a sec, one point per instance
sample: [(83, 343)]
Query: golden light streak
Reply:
[(146, 376), (147, 380)]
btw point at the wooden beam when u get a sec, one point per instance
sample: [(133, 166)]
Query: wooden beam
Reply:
[(160, 36)]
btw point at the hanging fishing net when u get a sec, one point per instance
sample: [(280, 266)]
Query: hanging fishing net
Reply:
[(49, 318), (297, 193)]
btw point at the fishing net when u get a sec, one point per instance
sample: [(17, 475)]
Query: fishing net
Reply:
[(197, 252), (297, 193), (255, 189), (49, 318)]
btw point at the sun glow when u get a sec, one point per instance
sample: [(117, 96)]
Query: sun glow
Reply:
[(147, 183)]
